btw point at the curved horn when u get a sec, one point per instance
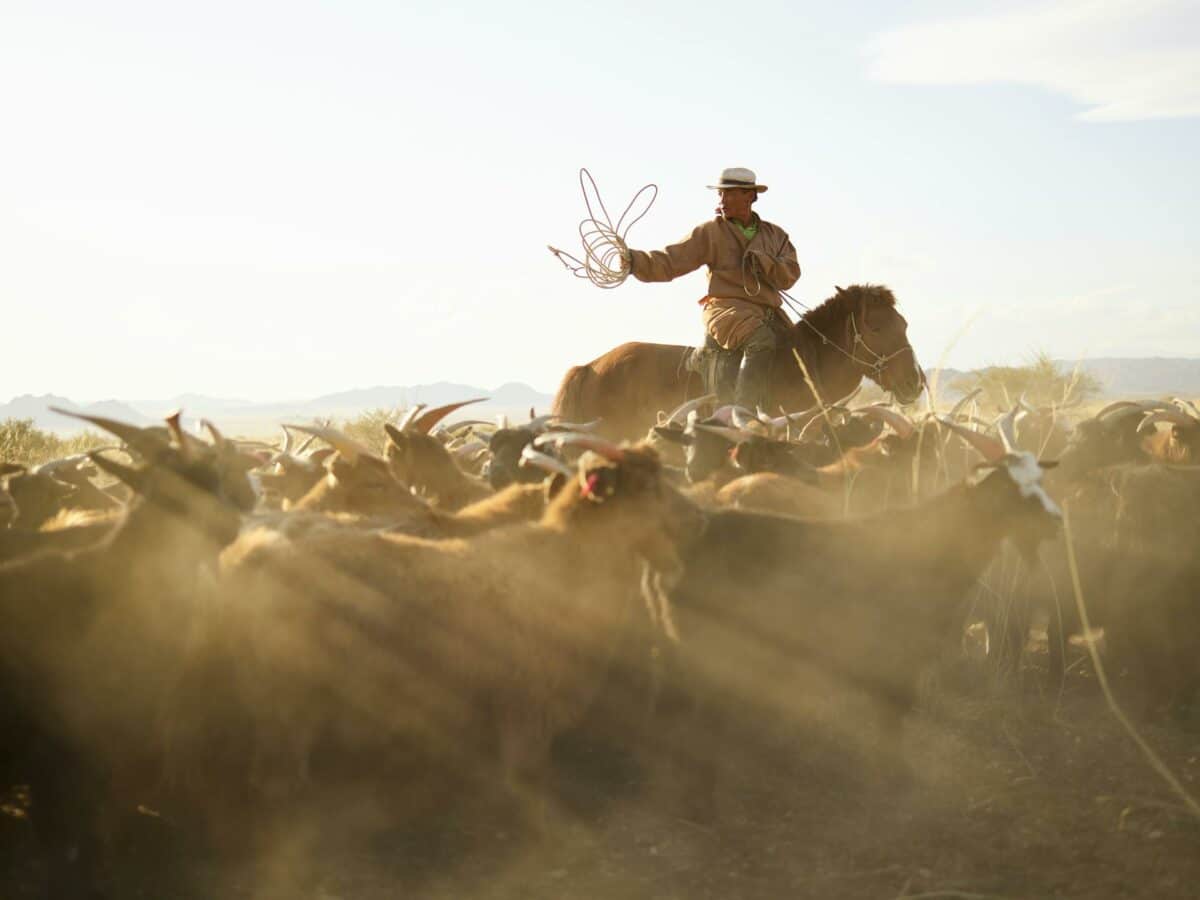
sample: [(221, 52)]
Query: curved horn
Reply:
[(409, 415), (901, 424), (288, 440), (435, 415), (348, 447), (531, 457), (540, 423), (725, 414), (1174, 416), (1006, 425), (560, 439), (469, 447), (992, 449), (1125, 407), (218, 439), (680, 412), (967, 398), (67, 462), (579, 426), (144, 441), (1187, 406)]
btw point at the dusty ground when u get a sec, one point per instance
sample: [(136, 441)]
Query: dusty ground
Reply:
[(1017, 795)]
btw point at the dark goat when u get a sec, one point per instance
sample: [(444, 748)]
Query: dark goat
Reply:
[(864, 605), (423, 463), (38, 497), (88, 639)]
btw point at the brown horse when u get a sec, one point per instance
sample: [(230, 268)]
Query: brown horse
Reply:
[(855, 333)]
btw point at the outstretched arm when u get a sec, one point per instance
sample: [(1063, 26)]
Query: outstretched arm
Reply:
[(678, 259)]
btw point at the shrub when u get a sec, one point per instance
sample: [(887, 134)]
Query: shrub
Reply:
[(1042, 383), (21, 442)]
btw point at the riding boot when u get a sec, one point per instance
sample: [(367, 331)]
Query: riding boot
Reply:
[(718, 368), (725, 375), (754, 377)]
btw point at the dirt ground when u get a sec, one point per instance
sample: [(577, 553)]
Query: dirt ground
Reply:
[(1017, 794)]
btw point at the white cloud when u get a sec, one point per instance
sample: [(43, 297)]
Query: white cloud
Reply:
[(1122, 59)]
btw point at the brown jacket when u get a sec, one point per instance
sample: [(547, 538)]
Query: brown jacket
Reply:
[(755, 270)]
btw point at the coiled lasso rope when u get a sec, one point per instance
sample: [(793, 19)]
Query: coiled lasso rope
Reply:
[(605, 260)]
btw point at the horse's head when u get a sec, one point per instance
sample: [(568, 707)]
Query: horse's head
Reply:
[(878, 340)]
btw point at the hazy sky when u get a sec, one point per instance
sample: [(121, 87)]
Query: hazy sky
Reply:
[(278, 200)]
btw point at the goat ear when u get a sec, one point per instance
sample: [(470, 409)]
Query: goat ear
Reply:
[(7, 468), (135, 478), (395, 435), (1048, 463)]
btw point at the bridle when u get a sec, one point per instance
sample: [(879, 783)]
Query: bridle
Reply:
[(874, 363)]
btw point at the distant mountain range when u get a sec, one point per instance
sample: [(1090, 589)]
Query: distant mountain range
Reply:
[(245, 417), (1121, 377)]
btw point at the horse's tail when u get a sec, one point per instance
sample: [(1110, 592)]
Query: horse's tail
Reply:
[(571, 401)]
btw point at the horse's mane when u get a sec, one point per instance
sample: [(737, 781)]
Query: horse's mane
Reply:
[(834, 311)]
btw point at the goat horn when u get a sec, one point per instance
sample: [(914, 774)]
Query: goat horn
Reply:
[(957, 407), (901, 424), (409, 415), (1174, 416), (680, 412), (57, 465), (540, 423), (560, 439), (1125, 407), (1006, 426), (531, 457), (218, 439), (992, 449), (579, 426), (140, 439), (288, 440), (435, 415), (348, 447), (468, 448), (1188, 407)]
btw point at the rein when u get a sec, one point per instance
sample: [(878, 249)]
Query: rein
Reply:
[(874, 365)]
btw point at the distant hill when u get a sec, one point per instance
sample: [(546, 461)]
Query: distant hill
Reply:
[(1150, 377), (1153, 376), (1120, 377), (512, 399), (29, 406)]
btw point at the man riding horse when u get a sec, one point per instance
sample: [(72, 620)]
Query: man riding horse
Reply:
[(749, 262)]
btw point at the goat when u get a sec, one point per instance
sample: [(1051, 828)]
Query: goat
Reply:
[(372, 636), (87, 639), (425, 465), (865, 604)]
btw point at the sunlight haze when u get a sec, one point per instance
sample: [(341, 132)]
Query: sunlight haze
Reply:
[(279, 200)]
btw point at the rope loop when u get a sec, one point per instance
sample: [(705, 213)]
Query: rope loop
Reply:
[(605, 260)]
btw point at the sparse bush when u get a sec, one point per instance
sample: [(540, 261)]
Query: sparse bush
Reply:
[(21, 442), (368, 427), (1042, 382)]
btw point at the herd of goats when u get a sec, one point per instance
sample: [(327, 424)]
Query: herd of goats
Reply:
[(203, 625)]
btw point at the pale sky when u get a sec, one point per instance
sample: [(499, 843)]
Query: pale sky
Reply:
[(280, 200)]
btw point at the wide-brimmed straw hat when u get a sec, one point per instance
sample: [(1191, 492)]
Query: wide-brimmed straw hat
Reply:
[(738, 178)]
